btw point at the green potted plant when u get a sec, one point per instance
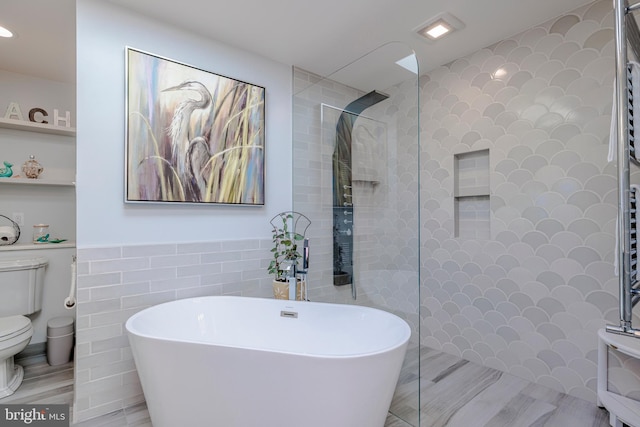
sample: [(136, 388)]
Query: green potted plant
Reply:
[(285, 250)]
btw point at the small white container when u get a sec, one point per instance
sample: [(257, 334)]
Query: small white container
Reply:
[(41, 233), (59, 340)]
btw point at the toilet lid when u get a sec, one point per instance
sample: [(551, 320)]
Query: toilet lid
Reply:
[(12, 326)]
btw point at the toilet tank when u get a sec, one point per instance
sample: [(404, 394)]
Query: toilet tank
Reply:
[(21, 283)]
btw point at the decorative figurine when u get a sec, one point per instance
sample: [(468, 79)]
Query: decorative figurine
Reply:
[(31, 168), (6, 172)]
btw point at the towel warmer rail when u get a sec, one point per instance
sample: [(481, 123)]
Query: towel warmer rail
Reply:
[(627, 33), (623, 410)]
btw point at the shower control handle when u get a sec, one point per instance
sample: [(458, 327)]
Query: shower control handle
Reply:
[(305, 255)]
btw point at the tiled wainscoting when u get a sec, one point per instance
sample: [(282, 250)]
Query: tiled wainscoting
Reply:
[(116, 282)]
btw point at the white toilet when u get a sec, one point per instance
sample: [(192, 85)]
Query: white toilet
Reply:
[(21, 283)]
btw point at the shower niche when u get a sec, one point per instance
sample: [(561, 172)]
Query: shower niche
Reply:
[(471, 195)]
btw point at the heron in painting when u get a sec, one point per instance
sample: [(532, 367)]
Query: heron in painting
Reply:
[(182, 135)]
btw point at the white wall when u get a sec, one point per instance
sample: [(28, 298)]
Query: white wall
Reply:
[(30, 92), (132, 256), (103, 218)]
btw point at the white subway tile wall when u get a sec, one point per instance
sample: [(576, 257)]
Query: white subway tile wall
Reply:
[(116, 282), (385, 248)]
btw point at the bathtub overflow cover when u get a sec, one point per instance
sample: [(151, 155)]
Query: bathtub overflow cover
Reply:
[(292, 314)]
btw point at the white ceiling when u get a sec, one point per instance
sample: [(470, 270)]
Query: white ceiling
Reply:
[(319, 36), (46, 42)]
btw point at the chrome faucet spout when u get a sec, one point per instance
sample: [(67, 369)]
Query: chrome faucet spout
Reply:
[(293, 283), (292, 280)]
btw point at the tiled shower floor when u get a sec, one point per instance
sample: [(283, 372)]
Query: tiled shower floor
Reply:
[(458, 393), (455, 393)]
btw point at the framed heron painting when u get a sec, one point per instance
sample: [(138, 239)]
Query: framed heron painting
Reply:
[(192, 136)]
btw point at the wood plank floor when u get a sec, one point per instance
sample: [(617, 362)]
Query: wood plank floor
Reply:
[(42, 383), (454, 393), (458, 393)]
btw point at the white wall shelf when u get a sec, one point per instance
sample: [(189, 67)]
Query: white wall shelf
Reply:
[(27, 181), (32, 246), (36, 127), (621, 409), (49, 199), (472, 192)]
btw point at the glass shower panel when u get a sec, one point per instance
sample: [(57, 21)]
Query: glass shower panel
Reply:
[(356, 176)]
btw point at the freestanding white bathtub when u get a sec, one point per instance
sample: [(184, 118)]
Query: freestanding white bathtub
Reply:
[(251, 362)]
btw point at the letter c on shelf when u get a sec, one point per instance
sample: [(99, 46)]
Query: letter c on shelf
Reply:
[(32, 115)]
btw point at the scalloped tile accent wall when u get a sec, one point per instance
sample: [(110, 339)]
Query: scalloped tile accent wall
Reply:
[(528, 294), (529, 299)]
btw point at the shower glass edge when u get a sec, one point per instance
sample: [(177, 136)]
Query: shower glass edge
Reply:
[(356, 172)]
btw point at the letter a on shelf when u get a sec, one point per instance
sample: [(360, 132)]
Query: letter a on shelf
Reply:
[(13, 112)]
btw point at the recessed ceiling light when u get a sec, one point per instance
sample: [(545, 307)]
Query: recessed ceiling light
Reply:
[(439, 26), (436, 30), (4, 32)]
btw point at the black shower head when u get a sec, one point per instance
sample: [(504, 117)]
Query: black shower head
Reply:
[(365, 101)]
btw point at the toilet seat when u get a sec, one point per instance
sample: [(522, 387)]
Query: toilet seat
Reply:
[(13, 326)]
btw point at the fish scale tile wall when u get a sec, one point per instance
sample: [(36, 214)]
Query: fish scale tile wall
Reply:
[(530, 297)]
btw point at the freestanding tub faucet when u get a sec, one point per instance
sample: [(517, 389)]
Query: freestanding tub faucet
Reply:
[(292, 278)]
